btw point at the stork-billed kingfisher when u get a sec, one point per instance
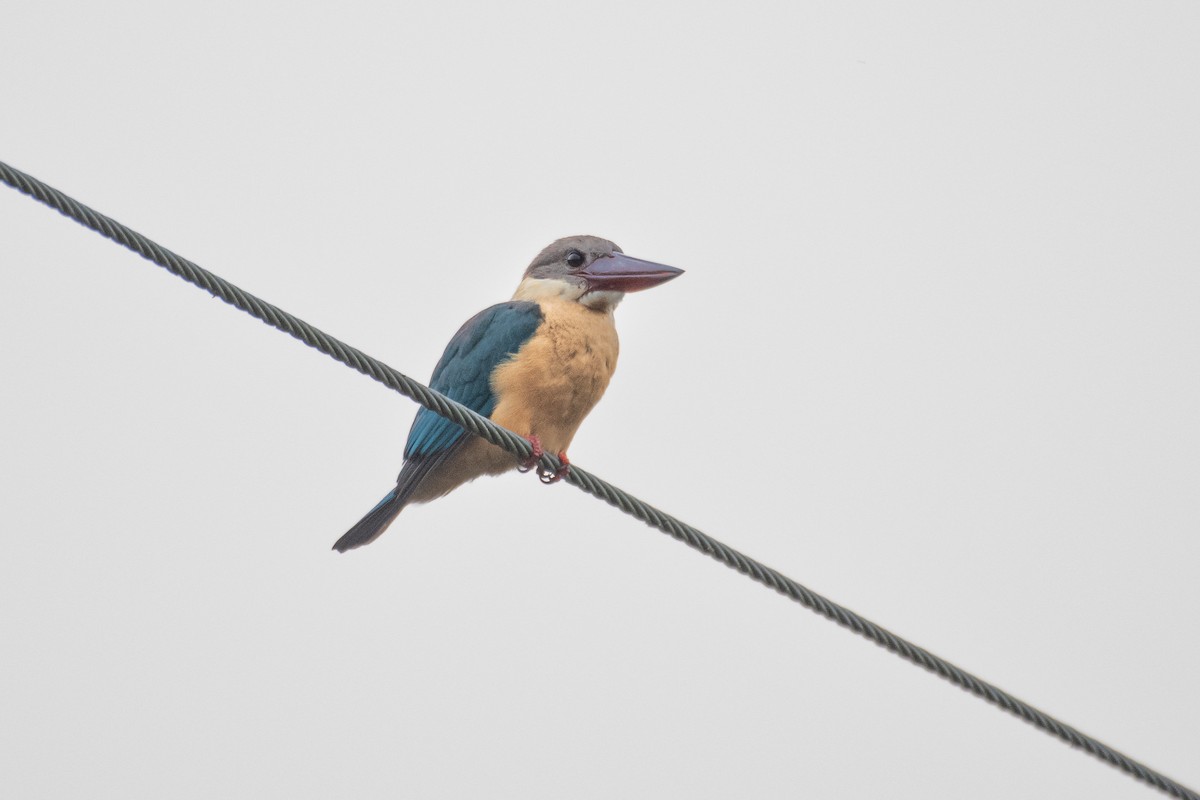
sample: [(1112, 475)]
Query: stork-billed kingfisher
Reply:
[(535, 365)]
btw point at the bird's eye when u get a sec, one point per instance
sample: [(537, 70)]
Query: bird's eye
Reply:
[(575, 259)]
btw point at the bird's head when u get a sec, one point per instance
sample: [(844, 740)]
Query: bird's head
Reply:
[(591, 271)]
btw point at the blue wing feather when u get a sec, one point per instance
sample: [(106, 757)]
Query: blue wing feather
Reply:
[(464, 372)]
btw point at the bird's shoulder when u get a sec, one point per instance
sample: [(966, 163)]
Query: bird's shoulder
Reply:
[(485, 340)]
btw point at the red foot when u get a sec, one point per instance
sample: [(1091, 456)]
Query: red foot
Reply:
[(534, 457), (558, 474)]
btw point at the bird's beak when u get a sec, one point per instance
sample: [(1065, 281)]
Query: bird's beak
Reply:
[(622, 273)]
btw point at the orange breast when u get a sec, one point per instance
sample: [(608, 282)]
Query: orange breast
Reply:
[(558, 376)]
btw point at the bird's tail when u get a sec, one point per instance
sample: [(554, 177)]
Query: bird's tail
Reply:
[(369, 528)]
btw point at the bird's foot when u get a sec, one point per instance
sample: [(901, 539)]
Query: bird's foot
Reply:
[(547, 477), (534, 457)]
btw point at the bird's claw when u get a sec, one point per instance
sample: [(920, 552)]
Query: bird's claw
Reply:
[(544, 475), (547, 477), (534, 457)]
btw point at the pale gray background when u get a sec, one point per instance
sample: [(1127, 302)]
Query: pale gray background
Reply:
[(935, 355)]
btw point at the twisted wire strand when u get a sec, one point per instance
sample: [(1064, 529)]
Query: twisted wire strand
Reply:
[(614, 496)]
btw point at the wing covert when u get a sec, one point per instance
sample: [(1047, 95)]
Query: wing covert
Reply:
[(465, 369)]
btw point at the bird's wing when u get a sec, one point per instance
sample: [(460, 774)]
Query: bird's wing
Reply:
[(464, 372)]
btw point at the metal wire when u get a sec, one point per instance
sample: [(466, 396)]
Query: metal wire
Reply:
[(519, 446)]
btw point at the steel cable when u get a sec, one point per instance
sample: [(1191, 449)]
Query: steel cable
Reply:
[(519, 446)]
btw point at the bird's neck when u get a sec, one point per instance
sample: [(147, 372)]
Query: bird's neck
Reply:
[(549, 290)]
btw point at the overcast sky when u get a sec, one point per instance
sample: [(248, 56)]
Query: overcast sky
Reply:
[(935, 356)]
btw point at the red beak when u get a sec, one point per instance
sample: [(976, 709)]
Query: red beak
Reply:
[(622, 273)]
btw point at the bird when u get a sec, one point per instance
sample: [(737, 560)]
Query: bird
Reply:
[(536, 365)]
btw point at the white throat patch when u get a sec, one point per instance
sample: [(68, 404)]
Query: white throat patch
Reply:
[(538, 289), (602, 301)]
